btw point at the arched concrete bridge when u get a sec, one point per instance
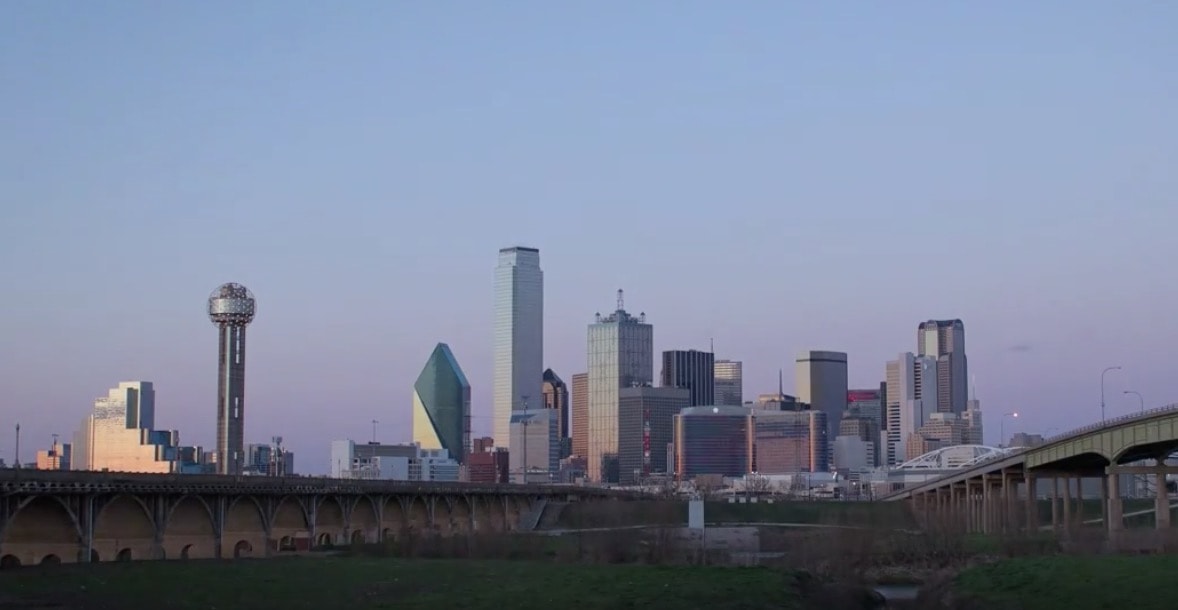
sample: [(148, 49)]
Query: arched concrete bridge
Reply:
[(65, 517), (985, 495)]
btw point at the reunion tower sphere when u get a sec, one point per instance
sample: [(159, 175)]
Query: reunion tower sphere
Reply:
[(232, 304)]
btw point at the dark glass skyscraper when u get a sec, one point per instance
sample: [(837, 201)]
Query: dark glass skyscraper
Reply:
[(231, 308), (441, 405), (693, 370)]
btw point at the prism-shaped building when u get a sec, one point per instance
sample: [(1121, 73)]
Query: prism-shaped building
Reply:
[(441, 405)]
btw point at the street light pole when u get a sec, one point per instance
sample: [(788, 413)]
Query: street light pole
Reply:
[(1140, 399), (1102, 374), (1002, 427)]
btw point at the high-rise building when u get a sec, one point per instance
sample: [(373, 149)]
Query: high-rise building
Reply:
[(645, 415), (231, 308), (620, 355), (691, 369), (556, 397), (441, 405), (715, 440), (729, 383), (119, 434), (944, 340), (57, 457), (791, 441), (821, 381), (580, 415), (866, 429), (909, 401), (535, 441), (519, 337)]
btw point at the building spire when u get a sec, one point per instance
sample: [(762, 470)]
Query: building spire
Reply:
[(780, 383), (621, 301)]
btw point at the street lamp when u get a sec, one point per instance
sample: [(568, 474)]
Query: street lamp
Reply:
[(1002, 426), (1139, 398), (1102, 374)]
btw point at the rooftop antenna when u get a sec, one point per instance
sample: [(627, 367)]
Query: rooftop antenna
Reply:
[(374, 422), (620, 300), (712, 344), (780, 383), (54, 440), (973, 387)]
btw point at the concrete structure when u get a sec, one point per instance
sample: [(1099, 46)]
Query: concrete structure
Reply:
[(693, 370), (580, 415), (535, 438), (519, 336), (556, 398), (620, 355), (55, 516), (645, 416), (441, 405), (119, 435), (991, 494), (944, 341), (716, 440), (231, 307), (821, 382), (729, 382)]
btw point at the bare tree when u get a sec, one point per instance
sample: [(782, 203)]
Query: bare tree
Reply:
[(708, 486), (757, 484)]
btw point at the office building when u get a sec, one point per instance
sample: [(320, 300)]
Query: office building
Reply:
[(911, 398), (580, 414), (488, 467), (441, 405), (620, 355), (535, 441), (944, 341), (973, 422), (853, 454), (556, 397), (519, 337), (119, 434), (939, 430), (374, 461), (729, 383), (790, 441), (645, 415), (821, 382), (57, 457), (716, 440), (693, 370), (863, 428), (867, 403), (481, 444), (231, 308), (272, 460)]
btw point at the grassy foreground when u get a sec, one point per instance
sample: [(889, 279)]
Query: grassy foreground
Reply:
[(362, 583), (1142, 582)]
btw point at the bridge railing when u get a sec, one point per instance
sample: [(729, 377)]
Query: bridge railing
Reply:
[(1116, 421)]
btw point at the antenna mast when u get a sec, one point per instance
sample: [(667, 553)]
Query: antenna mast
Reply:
[(620, 300)]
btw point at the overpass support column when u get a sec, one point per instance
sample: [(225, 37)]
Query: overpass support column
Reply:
[(1161, 504), (1067, 504), (1055, 503), (988, 519), (1114, 508), (1030, 504), (971, 508)]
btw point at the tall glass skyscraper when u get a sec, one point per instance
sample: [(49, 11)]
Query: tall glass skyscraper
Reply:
[(621, 355), (729, 383), (441, 405), (519, 337), (945, 341)]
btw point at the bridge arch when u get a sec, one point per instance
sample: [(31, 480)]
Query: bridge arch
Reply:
[(364, 521), (329, 522), (125, 529), (289, 519), (393, 521), (41, 525), (458, 517), (957, 456), (245, 520), (490, 513), (190, 531), (417, 515)]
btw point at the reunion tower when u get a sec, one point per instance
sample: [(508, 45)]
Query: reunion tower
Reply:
[(231, 308)]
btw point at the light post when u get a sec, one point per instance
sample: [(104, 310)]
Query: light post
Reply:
[(1102, 374), (1002, 427), (1140, 399)]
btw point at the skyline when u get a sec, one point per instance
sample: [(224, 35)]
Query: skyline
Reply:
[(781, 179)]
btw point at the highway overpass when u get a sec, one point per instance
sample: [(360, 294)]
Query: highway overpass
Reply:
[(70, 516), (986, 496)]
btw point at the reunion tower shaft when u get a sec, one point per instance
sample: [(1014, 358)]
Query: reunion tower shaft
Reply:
[(231, 308)]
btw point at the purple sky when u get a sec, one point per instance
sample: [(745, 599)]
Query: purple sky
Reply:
[(780, 177)]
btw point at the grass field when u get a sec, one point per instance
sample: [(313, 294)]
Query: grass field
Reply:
[(1142, 582), (863, 514), (362, 583)]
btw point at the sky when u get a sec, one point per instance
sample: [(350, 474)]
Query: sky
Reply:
[(775, 176)]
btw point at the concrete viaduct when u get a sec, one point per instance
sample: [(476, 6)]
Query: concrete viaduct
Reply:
[(66, 517), (992, 496)]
